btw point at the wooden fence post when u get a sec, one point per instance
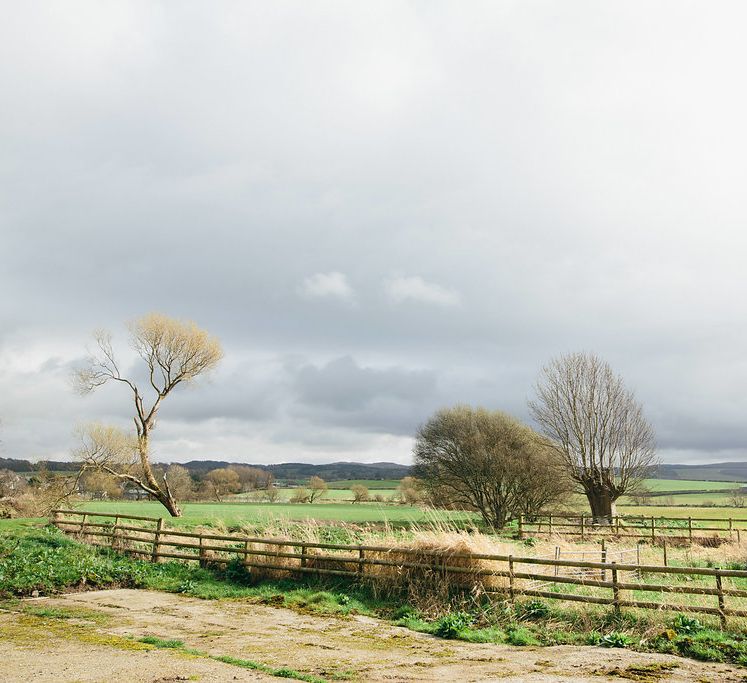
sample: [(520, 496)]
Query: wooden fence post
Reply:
[(83, 521), (690, 529), (665, 552), (303, 554), (511, 578), (521, 526), (638, 559), (157, 541), (617, 525), (549, 524), (604, 560), (361, 557), (731, 529), (114, 533), (653, 530), (615, 590), (203, 554), (721, 605), (557, 557), (582, 526)]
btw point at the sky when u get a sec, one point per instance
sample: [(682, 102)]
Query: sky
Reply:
[(380, 208)]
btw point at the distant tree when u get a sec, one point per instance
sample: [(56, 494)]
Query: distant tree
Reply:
[(642, 495), (252, 478), (100, 484), (360, 493), (737, 497), (301, 495), (11, 484), (174, 353), (224, 481), (486, 461), (598, 428), (271, 493), (317, 488), (409, 491), (180, 481)]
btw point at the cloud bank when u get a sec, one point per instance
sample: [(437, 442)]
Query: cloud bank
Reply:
[(379, 209)]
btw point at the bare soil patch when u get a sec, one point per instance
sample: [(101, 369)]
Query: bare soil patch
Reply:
[(100, 644)]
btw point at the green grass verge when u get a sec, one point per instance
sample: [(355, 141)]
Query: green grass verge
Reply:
[(42, 559)]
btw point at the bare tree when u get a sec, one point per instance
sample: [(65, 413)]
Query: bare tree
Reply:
[(271, 493), (317, 488), (737, 497), (597, 426), (224, 481), (174, 352), (486, 461), (180, 482)]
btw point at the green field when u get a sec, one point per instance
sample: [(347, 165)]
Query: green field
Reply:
[(371, 484), (687, 485), (684, 512), (332, 494), (262, 513)]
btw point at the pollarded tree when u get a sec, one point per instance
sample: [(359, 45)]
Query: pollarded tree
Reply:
[(597, 426), (174, 352), (487, 461)]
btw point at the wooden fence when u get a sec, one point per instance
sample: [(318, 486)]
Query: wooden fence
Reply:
[(617, 584), (632, 526)]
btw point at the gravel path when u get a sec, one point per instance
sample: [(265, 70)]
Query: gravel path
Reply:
[(97, 645)]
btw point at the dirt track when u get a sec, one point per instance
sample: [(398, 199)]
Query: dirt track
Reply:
[(98, 646)]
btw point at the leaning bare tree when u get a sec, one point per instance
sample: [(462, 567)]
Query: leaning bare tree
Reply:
[(174, 352), (597, 426)]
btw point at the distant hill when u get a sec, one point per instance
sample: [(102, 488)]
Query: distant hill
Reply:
[(284, 471), (330, 472), (336, 471), (721, 471), (26, 466)]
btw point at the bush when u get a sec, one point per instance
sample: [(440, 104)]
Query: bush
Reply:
[(614, 639), (452, 624), (685, 625), (534, 609)]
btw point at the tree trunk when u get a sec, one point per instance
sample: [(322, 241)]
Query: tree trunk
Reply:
[(601, 504), (163, 493)]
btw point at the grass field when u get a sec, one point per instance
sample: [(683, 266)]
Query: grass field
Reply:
[(371, 484), (684, 512), (340, 494), (687, 485), (254, 513)]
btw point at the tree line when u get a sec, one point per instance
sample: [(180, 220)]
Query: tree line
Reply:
[(592, 436)]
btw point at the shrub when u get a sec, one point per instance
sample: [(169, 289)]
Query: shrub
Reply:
[(614, 639), (685, 625), (534, 609), (521, 637), (450, 625)]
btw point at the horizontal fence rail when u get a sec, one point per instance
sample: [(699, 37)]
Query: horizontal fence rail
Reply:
[(618, 584), (632, 526)]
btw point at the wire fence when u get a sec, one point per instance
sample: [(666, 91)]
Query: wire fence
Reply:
[(614, 580), (692, 529)]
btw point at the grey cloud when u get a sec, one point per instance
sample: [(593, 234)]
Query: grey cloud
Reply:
[(187, 161)]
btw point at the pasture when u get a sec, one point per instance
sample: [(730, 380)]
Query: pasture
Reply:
[(235, 514)]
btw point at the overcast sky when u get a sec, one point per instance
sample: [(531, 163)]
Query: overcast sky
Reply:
[(380, 208)]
